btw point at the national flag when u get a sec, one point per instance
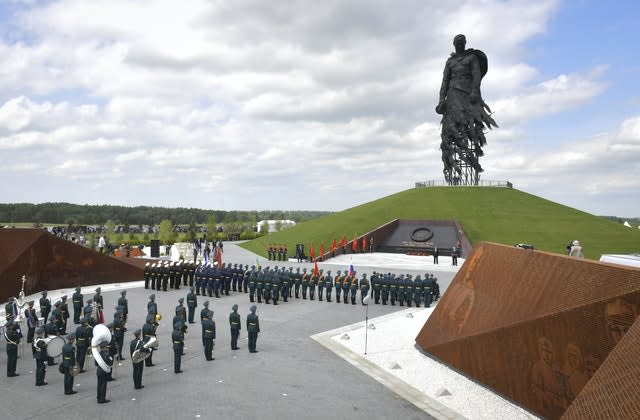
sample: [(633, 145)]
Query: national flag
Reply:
[(219, 256), (315, 267), (351, 270)]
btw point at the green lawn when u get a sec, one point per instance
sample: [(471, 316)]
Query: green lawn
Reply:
[(500, 215)]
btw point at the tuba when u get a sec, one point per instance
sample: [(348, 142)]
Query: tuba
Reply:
[(20, 301), (100, 333)]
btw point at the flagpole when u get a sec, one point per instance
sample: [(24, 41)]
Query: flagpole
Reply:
[(366, 328)]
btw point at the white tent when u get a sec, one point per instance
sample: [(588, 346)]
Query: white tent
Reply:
[(632, 260)]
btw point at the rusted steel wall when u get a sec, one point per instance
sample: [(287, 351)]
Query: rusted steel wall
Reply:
[(533, 326), (53, 263)]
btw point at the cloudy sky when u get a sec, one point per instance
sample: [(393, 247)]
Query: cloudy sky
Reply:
[(309, 105)]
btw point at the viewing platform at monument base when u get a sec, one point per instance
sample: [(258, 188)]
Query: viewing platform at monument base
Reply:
[(481, 183)]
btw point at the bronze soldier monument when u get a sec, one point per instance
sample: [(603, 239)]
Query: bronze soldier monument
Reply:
[(464, 114)]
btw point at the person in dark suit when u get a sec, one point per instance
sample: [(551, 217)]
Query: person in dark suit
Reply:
[(68, 361)]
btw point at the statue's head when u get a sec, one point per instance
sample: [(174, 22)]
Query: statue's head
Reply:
[(459, 40)]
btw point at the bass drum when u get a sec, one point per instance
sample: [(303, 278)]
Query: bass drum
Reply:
[(54, 346)]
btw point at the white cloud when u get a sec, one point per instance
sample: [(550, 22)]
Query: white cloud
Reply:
[(262, 102)]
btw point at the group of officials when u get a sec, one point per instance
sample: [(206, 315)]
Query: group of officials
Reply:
[(78, 343)]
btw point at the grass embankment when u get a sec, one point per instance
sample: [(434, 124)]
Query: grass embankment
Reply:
[(500, 215)]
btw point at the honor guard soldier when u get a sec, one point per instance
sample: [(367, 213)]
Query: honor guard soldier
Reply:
[(384, 289), (346, 286), (123, 303), (152, 306), (181, 312), (328, 284), (427, 294), (305, 283), (177, 337), (205, 309), (337, 284), (417, 290), (88, 312), (320, 284), (179, 268), (138, 368), (172, 274), (297, 281), (97, 299), (45, 306), (393, 289), (376, 285), (146, 274), (13, 340), (118, 331), (313, 281), (10, 309), (275, 285), (112, 348), (103, 375), (409, 289), (252, 283), (285, 284), (40, 354), (354, 288), (78, 302), (51, 330), (149, 331), (84, 334), (208, 334), (155, 277), (198, 276), (253, 328), (32, 321), (245, 279), (234, 277), (259, 284), (436, 288), (192, 303), (267, 285), (234, 324), (189, 272), (401, 290), (68, 362), (364, 288)]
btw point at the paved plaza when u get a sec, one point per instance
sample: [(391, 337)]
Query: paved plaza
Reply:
[(292, 376)]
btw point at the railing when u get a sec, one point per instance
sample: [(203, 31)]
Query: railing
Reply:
[(481, 183)]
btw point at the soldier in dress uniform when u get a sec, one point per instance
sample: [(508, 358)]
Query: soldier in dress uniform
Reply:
[(102, 375), (337, 284), (354, 288), (328, 284), (376, 285), (32, 321), (417, 290), (346, 286), (112, 348), (275, 285), (393, 289), (192, 303), (384, 288), (123, 303), (401, 290), (84, 334), (78, 302), (427, 286), (51, 330), (177, 338), (97, 298), (68, 361), (146, 274), (45, 306), (285, 284), (260, 284), (364, 288), (198, 276), (208, 334), (148, 331), (253, 276), (13, 341), (306, 277), (40, 354), (118, 331), (253, 328), (313, 282), (235, 324), (138, 368), (152, 306), (267, 285), (205, 309), (320, 284), (181, 312), (245, 279), (87, 311), (297, 281)]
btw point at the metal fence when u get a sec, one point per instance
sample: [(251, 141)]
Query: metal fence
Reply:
[(481, 183)]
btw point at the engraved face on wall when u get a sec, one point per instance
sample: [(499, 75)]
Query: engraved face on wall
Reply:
[(619, 315)]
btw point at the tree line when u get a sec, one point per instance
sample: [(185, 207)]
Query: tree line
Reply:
[(76, 214)]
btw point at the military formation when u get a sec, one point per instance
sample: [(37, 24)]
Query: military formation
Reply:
[(77, 344)]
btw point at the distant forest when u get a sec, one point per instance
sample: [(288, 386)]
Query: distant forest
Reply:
[(75, 214)]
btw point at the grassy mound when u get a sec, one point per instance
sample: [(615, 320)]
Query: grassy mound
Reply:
[(500, 215)]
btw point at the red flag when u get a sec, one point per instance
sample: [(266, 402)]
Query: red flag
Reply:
[(315, 267), (333, 245), (219, 257), (354, 244), (312, 252), (364, 244), (321, 250), (343, 241)]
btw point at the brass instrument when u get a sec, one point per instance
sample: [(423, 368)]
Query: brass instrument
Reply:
[(100, 333), (138, 356)]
